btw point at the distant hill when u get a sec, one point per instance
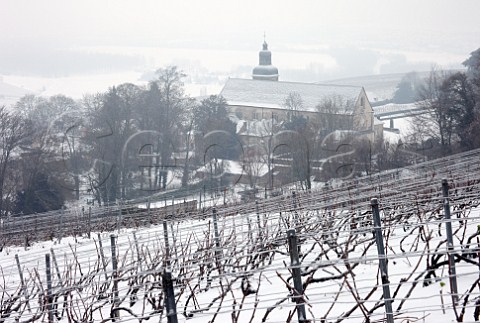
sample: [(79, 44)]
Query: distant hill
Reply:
[(9, 94), (378, 87)]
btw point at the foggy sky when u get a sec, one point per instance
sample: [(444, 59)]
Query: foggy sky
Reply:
[(47, 35)]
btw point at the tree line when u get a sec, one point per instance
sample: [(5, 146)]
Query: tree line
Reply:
[(451, 102), (115, 145), (131, 141)]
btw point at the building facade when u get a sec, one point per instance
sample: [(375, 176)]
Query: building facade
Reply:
[(340, 104)]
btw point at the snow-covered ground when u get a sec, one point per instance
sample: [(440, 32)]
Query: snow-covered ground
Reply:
[(82, 273), (243, 273)]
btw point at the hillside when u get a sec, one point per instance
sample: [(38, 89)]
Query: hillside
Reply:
[(378, 87), (234, 264), (9, 94)]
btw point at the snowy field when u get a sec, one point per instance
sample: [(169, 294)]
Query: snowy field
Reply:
[(237, 268)]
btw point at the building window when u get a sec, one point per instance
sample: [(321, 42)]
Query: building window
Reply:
[(362, 101)]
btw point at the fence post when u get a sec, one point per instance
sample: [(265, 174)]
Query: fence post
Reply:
[(218, 251), (89, 221), (56, 266), (24, 288), (165, 213), (119, 219), (139, 258), (104, 262), (25, 234), (62, 214), (294, 205), (382, 260), (49, 288), (204, 197), (167, 245), (450, 250), (149, 214), (258, 218), (297, 295), (169, 296), (113, 246), (174, 241), (478, 253)]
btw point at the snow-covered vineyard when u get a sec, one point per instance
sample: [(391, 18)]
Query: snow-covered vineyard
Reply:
[(234, 264)]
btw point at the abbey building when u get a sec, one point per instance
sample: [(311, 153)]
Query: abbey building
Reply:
[(264, 97)]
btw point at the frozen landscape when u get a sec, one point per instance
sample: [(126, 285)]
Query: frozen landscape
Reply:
[(233, 264), (131, 191)]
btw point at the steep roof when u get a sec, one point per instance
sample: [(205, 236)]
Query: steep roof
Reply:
[(272, 94)]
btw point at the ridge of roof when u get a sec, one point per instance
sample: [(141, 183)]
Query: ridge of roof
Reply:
[(260, 92), (296, 83)]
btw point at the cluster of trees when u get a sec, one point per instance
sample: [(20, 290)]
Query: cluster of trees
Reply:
[(133, 140), (120, 144), (452, 103), (324, 145), (407, 88), (449, 123)]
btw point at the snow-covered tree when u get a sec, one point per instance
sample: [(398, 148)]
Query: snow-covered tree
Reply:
[(13, 131)]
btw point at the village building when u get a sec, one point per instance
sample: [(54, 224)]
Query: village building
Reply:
[(265, 97), (261, 106)]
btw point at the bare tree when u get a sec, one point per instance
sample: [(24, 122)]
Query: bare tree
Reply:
[(13, 131), (253, 165), (54, 121), (112, 123), (293, 103), (473, 74), (449, 103), (335, 113), (435, 123), (164, 110)]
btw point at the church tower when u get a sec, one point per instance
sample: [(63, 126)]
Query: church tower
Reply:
[(265, 70)]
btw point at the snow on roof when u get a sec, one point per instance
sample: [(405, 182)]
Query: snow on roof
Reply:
[(161, 204), (256, 104), (392, 137), (229, 166), (240, 125), (238, 168), (256, 128), (273, 93), (395, 107)]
